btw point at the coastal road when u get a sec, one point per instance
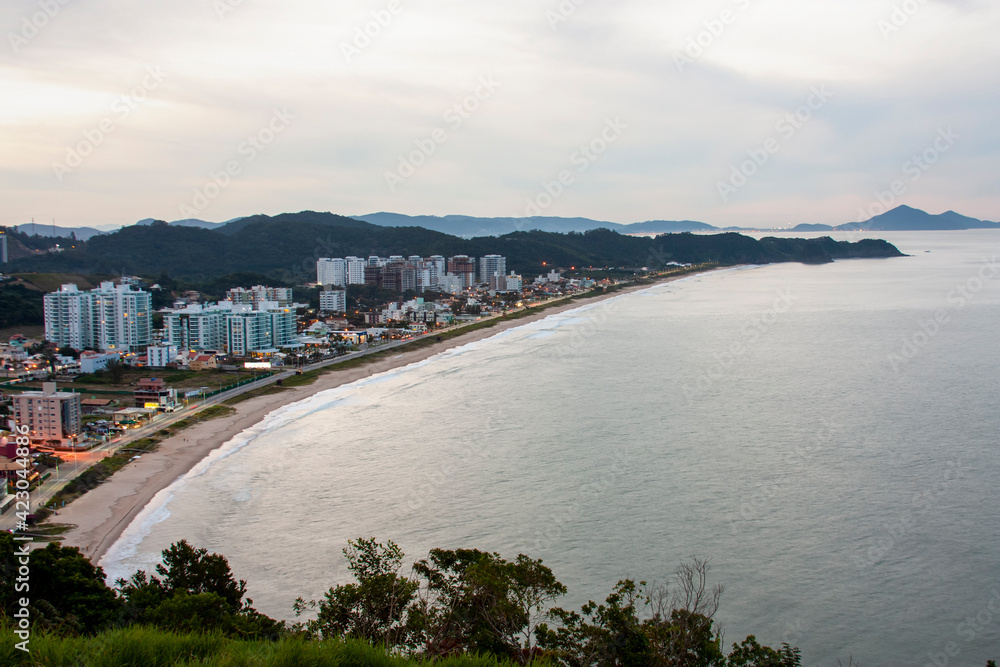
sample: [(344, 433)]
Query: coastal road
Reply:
[(76, 463)]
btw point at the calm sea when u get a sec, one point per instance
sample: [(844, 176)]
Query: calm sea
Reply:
[(827, 435)]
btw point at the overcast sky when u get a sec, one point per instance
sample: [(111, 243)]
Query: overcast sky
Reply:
[(117, 110)]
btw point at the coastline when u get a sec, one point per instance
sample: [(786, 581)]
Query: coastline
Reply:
[(101, 516)]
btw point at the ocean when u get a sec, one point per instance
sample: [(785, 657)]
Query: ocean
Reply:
[(826, 435)]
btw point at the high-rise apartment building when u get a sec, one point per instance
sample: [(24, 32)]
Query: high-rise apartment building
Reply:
[(110, 317)]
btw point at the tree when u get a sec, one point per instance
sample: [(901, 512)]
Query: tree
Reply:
[(681, 623), (752, 654), (197, 592), (478, 602), (601, 634), (677, 630), (373, 609), (67, 592), (115, 369)]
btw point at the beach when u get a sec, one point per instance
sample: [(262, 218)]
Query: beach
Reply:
[(100, 516)]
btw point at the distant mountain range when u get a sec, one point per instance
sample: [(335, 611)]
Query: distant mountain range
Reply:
[(901, 218), (284, 248), (470, 227)]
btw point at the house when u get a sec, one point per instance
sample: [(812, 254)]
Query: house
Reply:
[(203, 362)]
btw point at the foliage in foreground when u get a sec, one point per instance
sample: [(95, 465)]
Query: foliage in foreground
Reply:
[(150, 647), (453, 606)]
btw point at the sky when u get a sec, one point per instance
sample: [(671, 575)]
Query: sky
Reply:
[(763, 113)]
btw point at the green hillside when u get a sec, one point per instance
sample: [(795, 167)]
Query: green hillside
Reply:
[(286, 247)]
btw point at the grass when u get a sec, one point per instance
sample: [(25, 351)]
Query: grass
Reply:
[(211, 412), (51, 282), (263, 391), (153, 648), (98, 473)]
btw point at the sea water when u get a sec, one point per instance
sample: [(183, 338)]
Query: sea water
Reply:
[(826, 435)]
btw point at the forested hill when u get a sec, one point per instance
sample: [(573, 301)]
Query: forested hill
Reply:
[(286, 247)]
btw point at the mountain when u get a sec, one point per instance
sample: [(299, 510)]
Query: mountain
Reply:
[(285, 247), (34, 229), (190, 222), (466, 226), (906, 218), (811, 228)]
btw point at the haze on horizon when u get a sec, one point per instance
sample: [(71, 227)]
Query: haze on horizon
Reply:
[(116, 111)]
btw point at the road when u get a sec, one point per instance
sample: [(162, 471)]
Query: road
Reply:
[(77, 462)]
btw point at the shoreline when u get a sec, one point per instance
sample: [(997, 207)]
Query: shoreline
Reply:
[(102, 515)]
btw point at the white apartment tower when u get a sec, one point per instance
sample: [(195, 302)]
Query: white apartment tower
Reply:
[(109, 318), (331, 271)]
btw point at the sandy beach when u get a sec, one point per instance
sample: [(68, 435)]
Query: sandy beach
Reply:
[(100, 516)]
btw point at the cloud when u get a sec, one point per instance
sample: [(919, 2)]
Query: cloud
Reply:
[(407, 63)]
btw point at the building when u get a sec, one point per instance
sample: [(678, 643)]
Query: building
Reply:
[(158, 356), (465, 267), (490, 266), (69, 317), (3, 248), (355, 270), (452, 284), (154, 394), (197, 326), (263, 330), (52, 417), (91, 362), (122, 317), (110, 317), (240, 329), (333, 301), (373, 275), (259, 294), (331, 271)]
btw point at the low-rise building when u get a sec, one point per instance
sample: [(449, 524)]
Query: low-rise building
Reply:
[(154, 394), (52, 416), (91, 362)]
